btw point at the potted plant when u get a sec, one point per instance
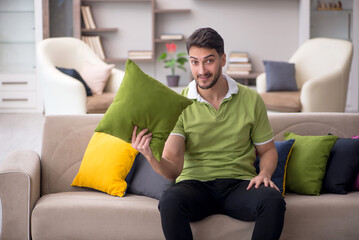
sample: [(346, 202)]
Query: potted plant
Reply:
[(173, 61)]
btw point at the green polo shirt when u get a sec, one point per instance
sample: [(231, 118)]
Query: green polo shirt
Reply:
[(220, 144)]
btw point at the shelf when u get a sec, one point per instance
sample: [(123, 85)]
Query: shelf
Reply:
[(158, 40), (153, 13), (251, 75), (84, 1), (15, 11), (98, 30), (17, 42), (172, 10)]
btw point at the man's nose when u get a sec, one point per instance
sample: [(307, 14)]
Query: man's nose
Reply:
[(201, 69)]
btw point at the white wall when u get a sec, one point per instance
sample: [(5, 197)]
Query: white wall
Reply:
[(265, 29)]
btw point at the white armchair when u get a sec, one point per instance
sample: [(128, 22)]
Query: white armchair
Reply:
[(62, 93), (322, 67)]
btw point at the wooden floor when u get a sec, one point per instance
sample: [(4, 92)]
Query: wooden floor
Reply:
[(19, 131)]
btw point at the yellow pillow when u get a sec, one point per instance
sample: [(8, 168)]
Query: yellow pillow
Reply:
[(106, 164)]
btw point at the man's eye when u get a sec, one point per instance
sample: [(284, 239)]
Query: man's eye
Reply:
[(194, 62), (209, 61)]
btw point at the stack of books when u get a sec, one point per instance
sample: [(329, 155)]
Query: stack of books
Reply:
[(87, 17), (171, 36), (94, 42), (140, 54), (239, 63)]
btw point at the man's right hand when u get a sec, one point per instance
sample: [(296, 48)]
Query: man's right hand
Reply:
[(171, 164), (141, 142)]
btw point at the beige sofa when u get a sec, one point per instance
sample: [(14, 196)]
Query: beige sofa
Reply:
[(39, 203)]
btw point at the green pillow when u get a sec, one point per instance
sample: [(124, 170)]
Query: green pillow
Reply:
[(308, 161), (144, 102)]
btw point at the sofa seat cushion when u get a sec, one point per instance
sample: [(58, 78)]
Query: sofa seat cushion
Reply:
[(99, 103), (282, 101), (95, 215), (328, 216)]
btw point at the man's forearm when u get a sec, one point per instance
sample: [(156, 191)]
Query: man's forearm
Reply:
[(165, 168), (268, 162)]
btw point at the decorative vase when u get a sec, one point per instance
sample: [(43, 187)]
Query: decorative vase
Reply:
[(172, 80)]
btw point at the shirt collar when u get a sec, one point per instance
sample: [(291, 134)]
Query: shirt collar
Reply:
[(193, 93)]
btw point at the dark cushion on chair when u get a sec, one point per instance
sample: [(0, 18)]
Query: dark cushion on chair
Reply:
[(280, 76), (282, 101), (73, 73)]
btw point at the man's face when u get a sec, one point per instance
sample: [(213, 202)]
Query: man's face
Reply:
[(206, 66)]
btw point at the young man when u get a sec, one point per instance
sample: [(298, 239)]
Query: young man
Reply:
[(211, 151)]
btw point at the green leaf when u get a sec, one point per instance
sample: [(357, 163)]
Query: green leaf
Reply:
[(181, 67), (182, 60), (181, 54), (163, 56), (170, 63)]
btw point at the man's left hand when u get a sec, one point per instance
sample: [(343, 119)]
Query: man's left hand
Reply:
[(258, 180)]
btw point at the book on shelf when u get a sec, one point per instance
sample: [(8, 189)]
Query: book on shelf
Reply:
[(171, 36), (84, 17), (94, 42), (140, 54), (237, 72), (239, 64), (238, 57), (88, 17)]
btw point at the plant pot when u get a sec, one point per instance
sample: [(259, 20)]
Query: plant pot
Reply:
[(172, 80)]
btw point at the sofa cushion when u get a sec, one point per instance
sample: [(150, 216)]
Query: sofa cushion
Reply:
[(282, 101), (106, 165), (99, 103), (280, 76), (284, 148), (96, 75), (144, 102), (94, 215), (307, 163), (145, 181), (343, 166)]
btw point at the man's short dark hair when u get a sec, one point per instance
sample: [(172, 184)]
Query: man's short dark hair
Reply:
[(206, 38)]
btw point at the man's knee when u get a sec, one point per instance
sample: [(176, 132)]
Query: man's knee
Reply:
[(272, 200), (274, 206), (171, 200)]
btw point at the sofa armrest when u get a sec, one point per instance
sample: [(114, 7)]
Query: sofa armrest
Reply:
[(323, 94), (19, 190), (115, 80), (261, 83)]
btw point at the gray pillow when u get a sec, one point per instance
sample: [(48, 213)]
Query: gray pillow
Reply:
[(145, 181), (280, 76)]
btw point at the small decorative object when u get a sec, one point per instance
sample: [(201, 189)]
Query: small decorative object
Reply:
[(173, 61), (322, 5)]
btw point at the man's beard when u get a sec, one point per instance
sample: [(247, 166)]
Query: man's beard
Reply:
[(215, 80)]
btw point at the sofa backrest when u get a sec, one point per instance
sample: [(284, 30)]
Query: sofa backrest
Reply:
[(314, 124), (65, 139)]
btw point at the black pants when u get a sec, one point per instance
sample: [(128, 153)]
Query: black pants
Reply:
[(192, 200)]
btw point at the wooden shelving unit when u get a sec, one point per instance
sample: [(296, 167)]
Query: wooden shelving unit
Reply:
[(158, 40), (172, 10), (98, 30), (78, 31)]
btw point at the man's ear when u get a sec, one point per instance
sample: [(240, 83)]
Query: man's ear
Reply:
[(224, 59)]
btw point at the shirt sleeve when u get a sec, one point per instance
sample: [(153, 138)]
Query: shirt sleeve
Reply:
[(262, 131), (178, 129)]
